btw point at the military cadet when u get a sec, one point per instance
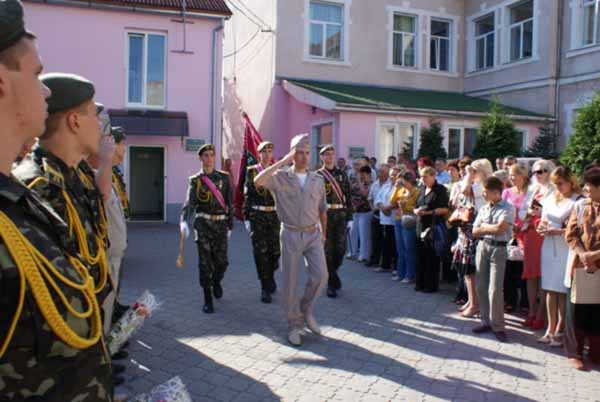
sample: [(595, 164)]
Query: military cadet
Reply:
[(261, 221), (302, 209), (117, 177), (209, 202), (339, 216), (50, 331)]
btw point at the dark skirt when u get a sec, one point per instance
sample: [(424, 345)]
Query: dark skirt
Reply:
[(463, 261), (427, 267), (587, 318)]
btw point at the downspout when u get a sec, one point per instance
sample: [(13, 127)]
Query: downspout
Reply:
[(213, 85), (558, 71)]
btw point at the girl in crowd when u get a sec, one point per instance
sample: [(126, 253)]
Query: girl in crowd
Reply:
[(432, 208), (471, 199), (532, 240), (555, 213)]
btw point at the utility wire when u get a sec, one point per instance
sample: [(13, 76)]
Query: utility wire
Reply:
[(253, 13), (244, 45), (244, 14)]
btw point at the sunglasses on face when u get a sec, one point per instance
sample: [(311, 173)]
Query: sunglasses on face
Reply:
[(540, 172)]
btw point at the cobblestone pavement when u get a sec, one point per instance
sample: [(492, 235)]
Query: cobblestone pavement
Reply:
[(382, 341)]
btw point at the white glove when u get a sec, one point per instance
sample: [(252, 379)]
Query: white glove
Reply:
[(184, 229), (350, 224), (229, 234), (247, 224)]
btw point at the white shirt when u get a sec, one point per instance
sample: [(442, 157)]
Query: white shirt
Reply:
[(383, 197), (302, 178), (375, 187)]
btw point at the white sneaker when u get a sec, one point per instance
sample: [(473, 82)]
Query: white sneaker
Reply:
[(395, 278), (311, 323), (407, 280), (294, 337)]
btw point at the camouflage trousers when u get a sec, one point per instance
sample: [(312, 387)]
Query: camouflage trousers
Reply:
[(265, 229), (335, 244), (211, 239)]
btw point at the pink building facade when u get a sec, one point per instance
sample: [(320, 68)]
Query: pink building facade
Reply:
[(368, 75), (159, 77)]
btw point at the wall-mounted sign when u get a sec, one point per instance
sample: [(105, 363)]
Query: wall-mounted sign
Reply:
[(356, 152), (193, 144)]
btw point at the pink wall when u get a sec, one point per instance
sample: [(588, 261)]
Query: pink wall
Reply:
[(92, 43)]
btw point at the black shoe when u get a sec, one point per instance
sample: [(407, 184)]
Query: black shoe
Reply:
[(331, 292), (208, 309), (481, 329), (117, 380), (266, 297), (336, 283), (120, 355), (217, 290), (117, 369), (208, 301), (501, 336), (273, 285)]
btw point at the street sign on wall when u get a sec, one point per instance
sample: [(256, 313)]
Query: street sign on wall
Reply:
[(356, 152), (193, 144)]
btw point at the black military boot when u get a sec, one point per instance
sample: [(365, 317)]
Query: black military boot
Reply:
[(208, 301), (272, 285), (336, 283), (331, 292), (217, 289), (265, 295)]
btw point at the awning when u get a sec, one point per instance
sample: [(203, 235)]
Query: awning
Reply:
[(338, 97), (151, 122)]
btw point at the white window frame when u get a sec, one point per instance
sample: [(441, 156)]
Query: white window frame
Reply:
[(397, 123), (595, 39), (524, 146), (462, 129), (144, 104), (476, 38), (314, 158), (415, 35), (438, 40), (345, 38), (510, 26)]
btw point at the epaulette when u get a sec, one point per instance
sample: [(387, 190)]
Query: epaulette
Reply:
[(222, 172), (30, 169), (53, 174)]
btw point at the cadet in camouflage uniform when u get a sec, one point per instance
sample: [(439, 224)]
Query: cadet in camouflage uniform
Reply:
[(70, 188), (209, 199), (339, 216), (117, 176), (261, 221), (48, 355)]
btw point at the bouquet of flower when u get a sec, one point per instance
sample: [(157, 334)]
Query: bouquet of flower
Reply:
[(171, 391), (131, 321)]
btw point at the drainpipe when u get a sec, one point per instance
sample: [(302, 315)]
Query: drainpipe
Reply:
[(213, 85), (558, 71)]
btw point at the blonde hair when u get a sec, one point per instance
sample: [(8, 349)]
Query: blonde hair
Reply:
[(484, 166), (544, 164), (566, 174), (520, 170), (427, 170)]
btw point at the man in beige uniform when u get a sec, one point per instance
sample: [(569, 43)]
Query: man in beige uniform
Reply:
[(301, 207)]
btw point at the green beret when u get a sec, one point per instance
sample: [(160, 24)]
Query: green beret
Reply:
[(206, 147), (68, 91), (326, 148), (118, 134), (12, 25), (263, 145)]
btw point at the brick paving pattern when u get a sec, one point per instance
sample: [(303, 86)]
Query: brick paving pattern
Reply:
[(381, 340)]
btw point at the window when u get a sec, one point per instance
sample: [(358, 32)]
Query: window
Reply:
[(521, 30), (405, 40), (146, 73), (326, 30), (321, 135), (485, 42), (522, 139), (395, 137), (461, 141), (439, 45), (589, 26)]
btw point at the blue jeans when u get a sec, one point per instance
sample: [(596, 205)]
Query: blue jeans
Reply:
[(405, 247)]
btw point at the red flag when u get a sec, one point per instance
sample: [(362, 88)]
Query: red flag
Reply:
[(249, 157)]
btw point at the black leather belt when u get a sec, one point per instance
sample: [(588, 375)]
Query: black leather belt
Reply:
[(495, 242)]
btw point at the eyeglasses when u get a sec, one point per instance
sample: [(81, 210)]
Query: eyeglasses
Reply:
[(540, 172)]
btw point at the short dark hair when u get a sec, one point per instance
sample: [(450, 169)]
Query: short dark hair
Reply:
[(512, 158), (409, 177), (11, 57), (453, 164), (365, 169), (425, 160), (392, 157), (372, 158), (465, 161), (592, 176), (493, 183)]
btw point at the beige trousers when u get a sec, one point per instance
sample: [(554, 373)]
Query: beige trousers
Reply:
[(114, 263), (491, 264), (298, 248)]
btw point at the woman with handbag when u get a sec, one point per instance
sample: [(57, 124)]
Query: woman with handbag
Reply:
[(532, 241), (432, 207), (406, 221), (464, 252), (583, 238)]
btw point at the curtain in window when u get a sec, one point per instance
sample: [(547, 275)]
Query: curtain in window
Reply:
[(136, 68), (325, 12)]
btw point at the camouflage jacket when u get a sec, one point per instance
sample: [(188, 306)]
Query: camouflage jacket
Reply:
[(56, 177), (255, 196), (344, 184), (37, 365), (200, 198), (119, 180)]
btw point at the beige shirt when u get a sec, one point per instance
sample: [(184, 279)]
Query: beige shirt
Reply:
[(298, 205), (117, 225)]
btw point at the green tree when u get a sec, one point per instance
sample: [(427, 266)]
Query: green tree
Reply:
[(544, 145), (584, 145), (432, 141), (497, 136), (407, 149)]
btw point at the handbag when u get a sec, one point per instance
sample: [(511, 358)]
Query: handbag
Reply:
[(439, 238), (585, 288), (461, 215), (515, 252), (408, 221)]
